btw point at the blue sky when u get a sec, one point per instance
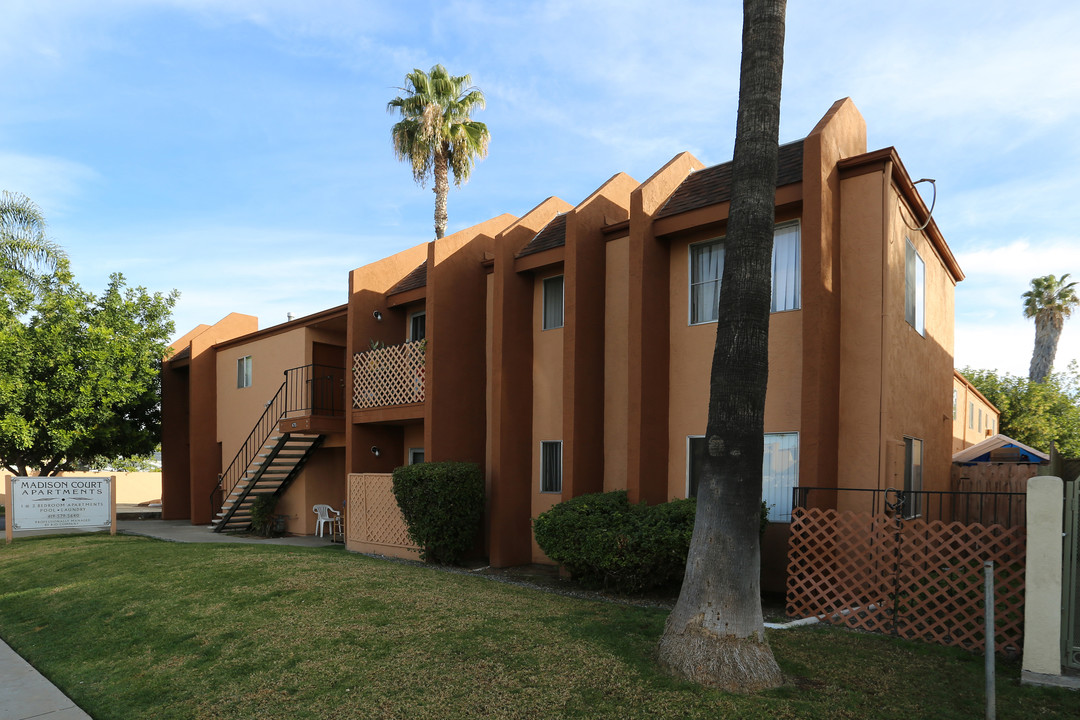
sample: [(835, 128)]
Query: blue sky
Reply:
[(238, 150)]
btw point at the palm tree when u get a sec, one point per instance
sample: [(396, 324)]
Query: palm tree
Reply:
[(435, 133), (1049, 301), (24, 247), (715, 634)]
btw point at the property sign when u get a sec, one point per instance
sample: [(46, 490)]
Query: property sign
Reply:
[(48, 503)]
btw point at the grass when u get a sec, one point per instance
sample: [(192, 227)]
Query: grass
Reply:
[(137, 628)]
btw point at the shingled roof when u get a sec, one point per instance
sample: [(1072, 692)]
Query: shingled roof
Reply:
[(713, 184), (552, 236), (416, 279)]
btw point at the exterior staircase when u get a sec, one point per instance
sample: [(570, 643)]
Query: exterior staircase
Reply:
[(269, 473), (290, 430)]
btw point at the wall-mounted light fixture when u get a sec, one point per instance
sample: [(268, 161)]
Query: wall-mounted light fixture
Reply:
[(375, 450), (377, 315)]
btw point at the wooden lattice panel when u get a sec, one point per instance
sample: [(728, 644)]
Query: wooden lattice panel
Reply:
[(389, 376), (921, 581), (374, 515)]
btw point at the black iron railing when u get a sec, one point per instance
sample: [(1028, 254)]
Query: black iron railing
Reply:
[(307, 390), (1008, 509), (315, 390)]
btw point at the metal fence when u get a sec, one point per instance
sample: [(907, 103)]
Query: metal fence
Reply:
[(1008, 509)]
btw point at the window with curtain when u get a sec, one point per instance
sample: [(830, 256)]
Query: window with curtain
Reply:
[(551, 467), (243, 372), (707, 268), (779, 471), (553, 302)]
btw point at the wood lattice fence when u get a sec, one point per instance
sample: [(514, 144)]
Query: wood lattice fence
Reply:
[(388, 376), (907, 577), (375, 524)]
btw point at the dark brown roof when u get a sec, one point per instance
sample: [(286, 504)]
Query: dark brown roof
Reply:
[(184, 354), (416, 279), (713, 184), (552, 236)]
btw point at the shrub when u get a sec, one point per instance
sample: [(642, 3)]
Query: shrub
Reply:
[(605, 541), (262, 514), (443, 504)]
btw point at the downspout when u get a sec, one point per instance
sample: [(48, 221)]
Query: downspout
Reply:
[(886, 225)]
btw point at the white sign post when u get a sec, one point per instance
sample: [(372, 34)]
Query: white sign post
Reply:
[(51, 503)]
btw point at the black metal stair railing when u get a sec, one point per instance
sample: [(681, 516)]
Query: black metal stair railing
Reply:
[(308, 389)]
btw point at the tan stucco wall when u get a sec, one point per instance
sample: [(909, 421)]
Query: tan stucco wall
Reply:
[(975, 418), (1042, 577), (690, 367), (918, 368), (547, 405), (238, 409), (616, 326), (322, 480), (132, 488)]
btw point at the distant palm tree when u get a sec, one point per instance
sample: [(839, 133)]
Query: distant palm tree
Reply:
[(24, 247), (436, 134), (1049, 301)]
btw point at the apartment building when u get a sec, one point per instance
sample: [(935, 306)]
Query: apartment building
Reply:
[(567, 351)]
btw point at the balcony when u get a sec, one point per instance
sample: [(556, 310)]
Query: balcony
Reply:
[(388, 377)]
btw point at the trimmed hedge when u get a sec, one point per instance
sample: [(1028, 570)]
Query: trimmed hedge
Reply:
[(604, 541), (443, 504)]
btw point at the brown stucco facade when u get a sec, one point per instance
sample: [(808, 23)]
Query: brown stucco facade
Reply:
[(611, 375)]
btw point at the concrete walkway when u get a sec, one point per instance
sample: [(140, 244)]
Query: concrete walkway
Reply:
[(26, 694)]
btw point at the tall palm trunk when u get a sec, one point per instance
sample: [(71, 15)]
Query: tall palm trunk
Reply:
[(442, 190), (1048, 328), (715, 634)]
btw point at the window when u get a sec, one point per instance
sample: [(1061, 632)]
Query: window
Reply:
[(707, 268), (553, 302), (243, 372), (954, 404), (971, 415), (417, 326), (551, 467), (980, 420), (416, 455), (913, 461), (914, 289), (779, 471)]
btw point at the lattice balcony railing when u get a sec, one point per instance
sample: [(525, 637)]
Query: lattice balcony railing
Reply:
[(387, 376)]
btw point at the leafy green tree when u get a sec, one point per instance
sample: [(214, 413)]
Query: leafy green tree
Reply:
[(79, 374), (1049, 301), (24, 246), (435, 133), (1035, 413), (715, 634)]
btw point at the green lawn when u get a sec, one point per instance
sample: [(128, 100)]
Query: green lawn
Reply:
[(137, 628)]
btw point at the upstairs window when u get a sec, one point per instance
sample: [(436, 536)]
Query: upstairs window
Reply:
[(417, 326), (243, 372), (553, 302), (914, 289), (707, 269)]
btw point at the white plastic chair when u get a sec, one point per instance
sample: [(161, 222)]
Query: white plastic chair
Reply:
[(323, 512)]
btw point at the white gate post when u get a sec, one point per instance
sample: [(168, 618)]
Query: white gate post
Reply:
[(1042, 582)]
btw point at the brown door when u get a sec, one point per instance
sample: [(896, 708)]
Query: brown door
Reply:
[(327, 379)]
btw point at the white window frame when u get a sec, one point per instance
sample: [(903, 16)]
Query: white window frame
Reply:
[(550, 477), (553, 323), (797, 275), (415, 452), (243, 372), (914, 288), (781, 514), (413, 317)]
